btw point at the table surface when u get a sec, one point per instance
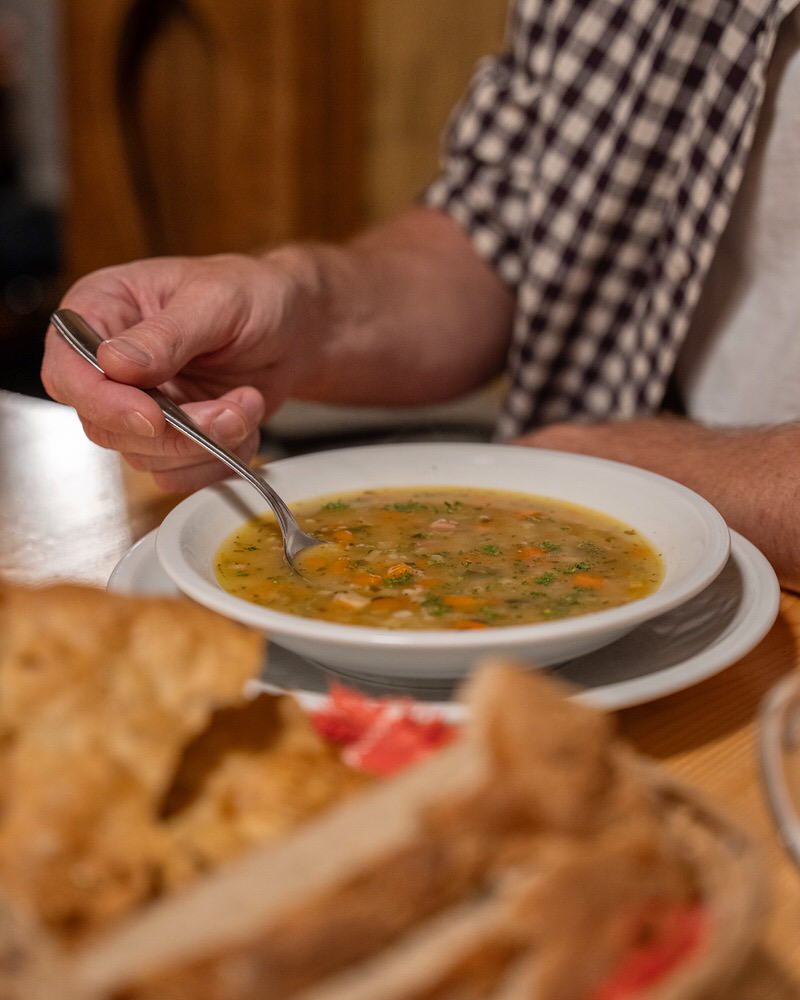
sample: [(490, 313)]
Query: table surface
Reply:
[(70, 510)]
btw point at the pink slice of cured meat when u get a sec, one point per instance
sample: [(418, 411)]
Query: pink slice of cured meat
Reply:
[(380, 736)]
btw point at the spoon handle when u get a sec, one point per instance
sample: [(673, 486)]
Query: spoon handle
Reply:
[(81, 336)]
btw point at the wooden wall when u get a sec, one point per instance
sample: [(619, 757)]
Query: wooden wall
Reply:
[(197, 126), (418, 57)]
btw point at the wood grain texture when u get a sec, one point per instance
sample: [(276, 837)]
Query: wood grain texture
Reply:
[(195, 126), (199, 127)]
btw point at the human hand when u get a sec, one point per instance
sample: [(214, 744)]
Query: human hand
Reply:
[(720, 463), (215, 332)]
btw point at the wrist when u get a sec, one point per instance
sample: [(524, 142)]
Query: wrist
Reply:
[(302, 295), (323, 309)]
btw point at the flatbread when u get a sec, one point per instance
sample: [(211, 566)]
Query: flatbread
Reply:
[(112, 708)]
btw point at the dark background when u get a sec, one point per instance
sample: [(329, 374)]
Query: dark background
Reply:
[(30, 224)]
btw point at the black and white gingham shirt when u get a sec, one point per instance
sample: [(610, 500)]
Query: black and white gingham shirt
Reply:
[(594, 163)]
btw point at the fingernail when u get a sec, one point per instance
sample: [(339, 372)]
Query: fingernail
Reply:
[(137, 423), (229, 426), (129, 350)]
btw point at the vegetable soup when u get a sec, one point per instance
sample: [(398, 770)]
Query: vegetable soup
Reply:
[(441, 558)]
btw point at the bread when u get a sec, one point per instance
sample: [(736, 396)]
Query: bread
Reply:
[(530, 860), (162, 837), (131, 760)]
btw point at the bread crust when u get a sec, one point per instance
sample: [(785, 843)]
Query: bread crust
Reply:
[(482, 873)]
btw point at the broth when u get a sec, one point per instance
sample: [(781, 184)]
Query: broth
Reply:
[(441, 558)]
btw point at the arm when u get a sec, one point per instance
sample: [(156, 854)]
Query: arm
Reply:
[(751, 475), (406, 313)]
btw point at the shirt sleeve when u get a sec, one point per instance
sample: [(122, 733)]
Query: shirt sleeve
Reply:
[(488, 161)]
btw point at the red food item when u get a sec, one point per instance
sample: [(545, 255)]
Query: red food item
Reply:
[(346, 716), (648, 963), (380, 736)]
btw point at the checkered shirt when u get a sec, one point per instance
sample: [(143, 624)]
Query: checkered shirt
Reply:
[(593, 163)]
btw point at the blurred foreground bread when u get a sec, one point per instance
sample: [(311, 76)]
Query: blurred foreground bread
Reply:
[(130, 758), (528, 860), (533, 858)]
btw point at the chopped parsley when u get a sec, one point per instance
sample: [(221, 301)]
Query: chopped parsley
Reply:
[(578, 567)]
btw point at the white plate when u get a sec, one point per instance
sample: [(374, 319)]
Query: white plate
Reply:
[(670, 653)]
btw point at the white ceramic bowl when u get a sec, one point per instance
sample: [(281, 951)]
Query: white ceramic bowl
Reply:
[(690, 535)]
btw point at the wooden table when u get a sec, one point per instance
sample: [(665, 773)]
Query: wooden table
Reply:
[(69, 510)]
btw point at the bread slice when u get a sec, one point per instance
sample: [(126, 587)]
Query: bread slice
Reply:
[(526, 860)]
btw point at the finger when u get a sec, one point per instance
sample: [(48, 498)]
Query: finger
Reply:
[(194, 477), (194, 455), (233, 420), (122, 409), (198, 320), (191, 479), (118, 301)]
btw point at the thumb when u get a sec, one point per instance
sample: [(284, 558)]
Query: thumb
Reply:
[(158, 348)]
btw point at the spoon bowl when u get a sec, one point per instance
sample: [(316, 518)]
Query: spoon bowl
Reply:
[(86, 340)]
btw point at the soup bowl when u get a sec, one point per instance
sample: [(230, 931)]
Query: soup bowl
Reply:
[(686, 531)]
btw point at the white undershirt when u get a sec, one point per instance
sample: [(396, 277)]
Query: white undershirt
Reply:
[(741, 360)]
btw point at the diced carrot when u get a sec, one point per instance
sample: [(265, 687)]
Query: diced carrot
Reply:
[(311, 561), (364, 579), (469, 623), (530, 552), (343, 535), (588, 580), (340, 566), (464, 602), (399, 569)]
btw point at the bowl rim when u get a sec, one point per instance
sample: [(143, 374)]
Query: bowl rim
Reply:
[(279, 624)]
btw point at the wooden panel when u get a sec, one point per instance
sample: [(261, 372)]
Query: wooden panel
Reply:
[(198, 127), (419, 56), (165, 98)]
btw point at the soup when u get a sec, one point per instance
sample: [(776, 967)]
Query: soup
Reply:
[(437, 558)]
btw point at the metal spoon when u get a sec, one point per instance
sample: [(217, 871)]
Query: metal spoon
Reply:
[(81, 336)]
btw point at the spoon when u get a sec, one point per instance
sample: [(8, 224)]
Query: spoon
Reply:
[(85, 340)]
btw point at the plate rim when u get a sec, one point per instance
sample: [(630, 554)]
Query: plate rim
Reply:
[(761, 586), (171, 548)]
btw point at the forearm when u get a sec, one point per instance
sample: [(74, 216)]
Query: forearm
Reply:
[(406, 313), (752, 475)]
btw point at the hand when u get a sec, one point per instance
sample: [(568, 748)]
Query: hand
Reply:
[(404, 314), (215, 332), (750, 474)]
